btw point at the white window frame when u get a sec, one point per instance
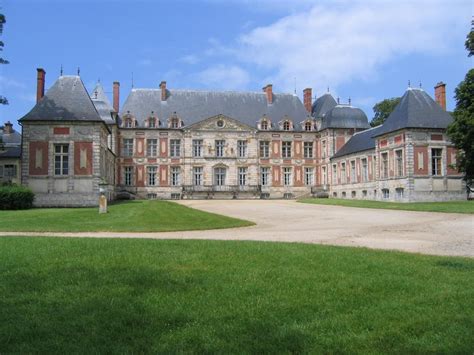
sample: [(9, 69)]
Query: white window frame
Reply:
[(61, 159)]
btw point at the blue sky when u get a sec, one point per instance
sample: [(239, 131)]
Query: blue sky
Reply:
[(366, 50)]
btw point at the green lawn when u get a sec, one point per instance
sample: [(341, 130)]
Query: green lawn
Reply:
[(132, 216), (450, 206), (60, 295)]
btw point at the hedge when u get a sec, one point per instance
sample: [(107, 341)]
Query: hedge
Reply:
[(14, 197)]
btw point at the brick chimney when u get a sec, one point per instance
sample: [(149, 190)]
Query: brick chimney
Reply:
[(40, 84), (8, 128), (268, 89), (163, 90), (440, 94), (308, 99), (116, 98)]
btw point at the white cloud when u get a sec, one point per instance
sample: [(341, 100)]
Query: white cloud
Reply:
[(189, 59), (224, 77), (336, 43)]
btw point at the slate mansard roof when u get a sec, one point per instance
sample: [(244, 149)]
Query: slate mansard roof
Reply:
[(322, 105), (344, 116), (359, 142), (102, 104), (416, 110), (193, 106), (10, 153), (66, 100)]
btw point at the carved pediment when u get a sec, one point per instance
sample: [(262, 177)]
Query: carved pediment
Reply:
[(219, 123)]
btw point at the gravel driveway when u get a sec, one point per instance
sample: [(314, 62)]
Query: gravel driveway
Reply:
[(289, 221)]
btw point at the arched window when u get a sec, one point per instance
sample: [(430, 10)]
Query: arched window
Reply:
[(286, 125), (308, 126), (264, 125)]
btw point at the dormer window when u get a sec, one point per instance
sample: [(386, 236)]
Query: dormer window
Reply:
[(286, 125), (308, 126), (152, 122), (264, 125), (174, 122), (128, 122)]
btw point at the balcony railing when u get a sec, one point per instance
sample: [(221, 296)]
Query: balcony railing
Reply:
[(221, 188)]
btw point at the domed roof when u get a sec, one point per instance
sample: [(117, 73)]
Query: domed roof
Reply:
[(322, 105), (345, 116)]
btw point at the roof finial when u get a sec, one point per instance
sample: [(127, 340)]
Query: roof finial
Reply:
[(78, 71), (328, 89), (420, 84), (61, 71), (338, 100), (409, 84), (349, 100)]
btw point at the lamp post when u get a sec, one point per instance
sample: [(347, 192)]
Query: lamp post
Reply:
[(102, 197)]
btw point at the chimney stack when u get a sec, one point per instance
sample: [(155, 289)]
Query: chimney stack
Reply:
[(308, 99), (163, 90), (40, 84), (440, 94), (116, 98), (268, 89), (8, 128)]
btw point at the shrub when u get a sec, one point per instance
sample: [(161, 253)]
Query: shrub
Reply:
[(14, 197)]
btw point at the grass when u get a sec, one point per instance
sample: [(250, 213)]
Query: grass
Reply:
[(132, 216), (448, 207), (60, 295)]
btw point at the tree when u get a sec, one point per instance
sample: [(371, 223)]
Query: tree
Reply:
[(383, 109), (470, 41), (3, 100)]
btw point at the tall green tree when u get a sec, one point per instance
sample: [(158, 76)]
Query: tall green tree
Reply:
[(470, 41), (383, 109), (461, 130), (3, 99)]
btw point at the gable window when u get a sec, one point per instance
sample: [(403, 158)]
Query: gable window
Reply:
[(308, 150), (197, 175), (197, 147), (175, 148), (242, 176), (127, 147), (264, 176), (287, 176), (308, 126), (175, 175), (286, 149), (128, 175), (219, 176), (365, 172), (308, 176), (436, 156), (152, 147), (220, 148), (286, 125), (151, 173), (264, 149), (264, 125), (399, 162), (384, 169), (61, 159), (241, 149)]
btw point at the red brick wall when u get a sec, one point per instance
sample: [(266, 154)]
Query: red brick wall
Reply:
[(340, 141), (276, 175), (298, 178), (451, 159), (424, 169), (298, 150), (42, 167), (61, 130), (87, 168), (140, 175), (163, 147), (275, 153), (140, 147), (164, 175)]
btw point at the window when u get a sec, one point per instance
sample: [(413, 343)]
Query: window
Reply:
[(286, 149), (323, 149), (128, 123), (384, 169), (374, 166), (399, 162), (353, 171), (197, 147), (220, 148), (334, 174), (152, 147), (219, 176), (264, 176), (175, 175), (128, 175), (242, 176), (324, 175), (197, 175), (308, 150), (353, 194), (151, 175), (152, 196), (343, 173), (399, 192), (436, 154), (287, 176), (264, 149), (127, 147), (308, 176), (175, 148), (241, 149), (152, 122), (9, 171), (385, 193), (364, 193), (174, 122), (308, 126), (343, 194), (286, 125), (61, 159), (220, 123), (264, 125), (334, 194), (365, 171)]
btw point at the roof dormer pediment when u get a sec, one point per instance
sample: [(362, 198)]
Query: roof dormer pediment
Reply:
[(219, 123)]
